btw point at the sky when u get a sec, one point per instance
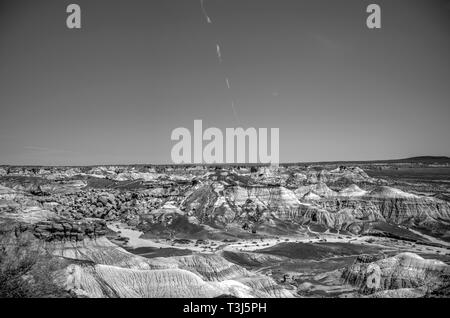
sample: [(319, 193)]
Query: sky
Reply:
[(113, 91)]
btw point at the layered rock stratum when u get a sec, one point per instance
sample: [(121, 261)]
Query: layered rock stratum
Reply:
[(137, 231)]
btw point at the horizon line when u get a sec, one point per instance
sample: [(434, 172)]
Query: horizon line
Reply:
[(404, 160)]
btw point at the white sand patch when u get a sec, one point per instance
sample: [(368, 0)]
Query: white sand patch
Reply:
[(352, 191), (135, 240)]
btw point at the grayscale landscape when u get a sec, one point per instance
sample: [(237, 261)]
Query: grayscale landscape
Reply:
[(224, 149), (361, 229)]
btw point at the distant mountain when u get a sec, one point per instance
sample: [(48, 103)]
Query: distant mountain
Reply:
[(425, 159)]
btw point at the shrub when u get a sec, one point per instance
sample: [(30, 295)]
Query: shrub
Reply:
[(27, 268)]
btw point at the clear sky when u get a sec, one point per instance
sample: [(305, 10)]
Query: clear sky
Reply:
[(113, 91)]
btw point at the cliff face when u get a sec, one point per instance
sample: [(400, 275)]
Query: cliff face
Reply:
[(346, 209), (275, 199), (386, 205), (221, 205), (341, 176), (395, 210), (405, 273)]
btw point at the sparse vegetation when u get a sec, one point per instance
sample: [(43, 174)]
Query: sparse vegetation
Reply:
[(26, 267)]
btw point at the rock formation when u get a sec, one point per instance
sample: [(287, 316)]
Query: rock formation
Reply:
[(73, 210), (397, 276)]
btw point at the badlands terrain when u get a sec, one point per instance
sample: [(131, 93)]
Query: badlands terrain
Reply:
[(379, 229)]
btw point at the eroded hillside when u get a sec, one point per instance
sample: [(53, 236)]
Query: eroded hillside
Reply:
[(292, 231)]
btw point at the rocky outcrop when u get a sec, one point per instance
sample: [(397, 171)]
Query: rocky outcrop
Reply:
[(319, 189), (264, 198), (66, 230), (341, 176), (8, 193), (405, 273), (382, 204), (221, 205)]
